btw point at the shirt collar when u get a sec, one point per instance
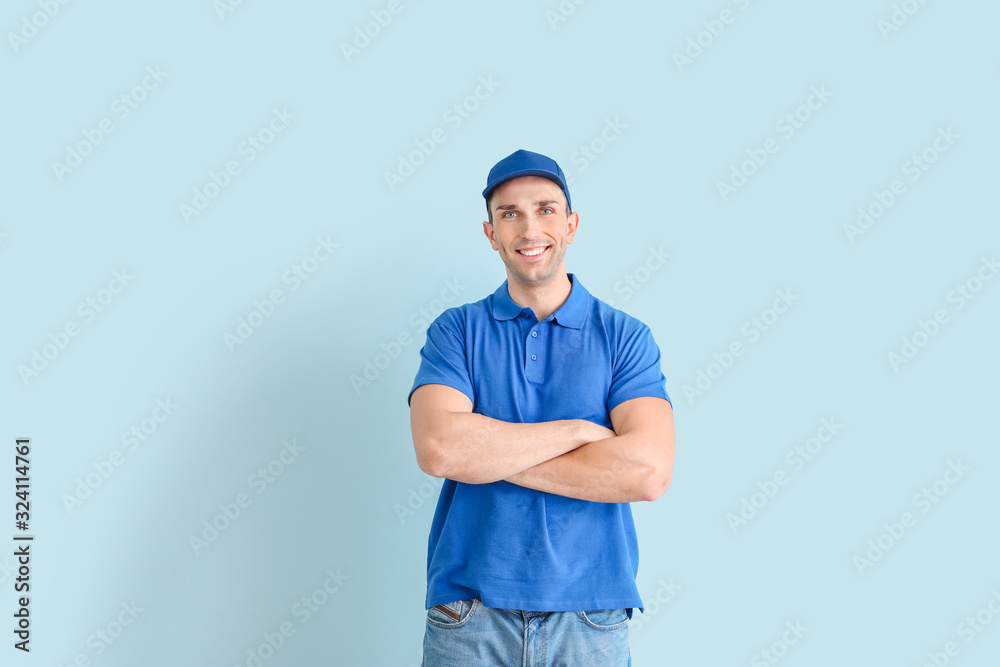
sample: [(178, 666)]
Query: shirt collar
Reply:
[(571, 314)]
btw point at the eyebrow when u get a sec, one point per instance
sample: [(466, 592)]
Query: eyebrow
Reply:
[(511, 207)]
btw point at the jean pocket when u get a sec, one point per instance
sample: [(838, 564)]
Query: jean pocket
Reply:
[(453, 614), (605, 619)]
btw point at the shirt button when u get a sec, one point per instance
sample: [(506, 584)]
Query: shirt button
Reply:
[(533, 357), (534, 334)]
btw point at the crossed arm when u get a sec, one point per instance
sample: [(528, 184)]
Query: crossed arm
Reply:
[(570, 457)]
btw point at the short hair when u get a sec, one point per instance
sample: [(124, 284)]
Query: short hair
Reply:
[(489, 211)]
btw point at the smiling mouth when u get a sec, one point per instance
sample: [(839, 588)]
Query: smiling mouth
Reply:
[(532, 253)]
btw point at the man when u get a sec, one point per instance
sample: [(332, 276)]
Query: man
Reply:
[(545, 411)]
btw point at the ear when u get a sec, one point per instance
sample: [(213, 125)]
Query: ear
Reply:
[(490, 234), (572, 221)]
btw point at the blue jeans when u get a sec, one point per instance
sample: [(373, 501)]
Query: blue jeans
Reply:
[(467, 634)]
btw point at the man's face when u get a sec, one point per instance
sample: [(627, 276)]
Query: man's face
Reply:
[(529, 216)]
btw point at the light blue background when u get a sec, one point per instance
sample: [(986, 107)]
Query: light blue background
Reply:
[(337, 506)]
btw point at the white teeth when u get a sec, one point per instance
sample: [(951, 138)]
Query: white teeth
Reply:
[(532, 253)]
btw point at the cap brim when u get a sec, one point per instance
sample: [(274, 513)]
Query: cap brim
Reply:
[(519, 174)]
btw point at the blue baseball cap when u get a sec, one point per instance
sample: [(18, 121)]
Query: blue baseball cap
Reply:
[(525, 163)]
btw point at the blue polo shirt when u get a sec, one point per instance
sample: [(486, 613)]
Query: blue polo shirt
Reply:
[(511, 546)]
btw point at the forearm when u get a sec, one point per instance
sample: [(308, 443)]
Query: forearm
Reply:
[(612, 470), (477, 449)]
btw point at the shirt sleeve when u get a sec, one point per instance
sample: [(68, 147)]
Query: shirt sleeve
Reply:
[(443, 361), (637, 369)]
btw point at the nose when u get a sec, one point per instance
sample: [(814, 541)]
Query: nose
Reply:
[(529, 224)]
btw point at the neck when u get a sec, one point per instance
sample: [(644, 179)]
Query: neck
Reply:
[(543, 299)]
